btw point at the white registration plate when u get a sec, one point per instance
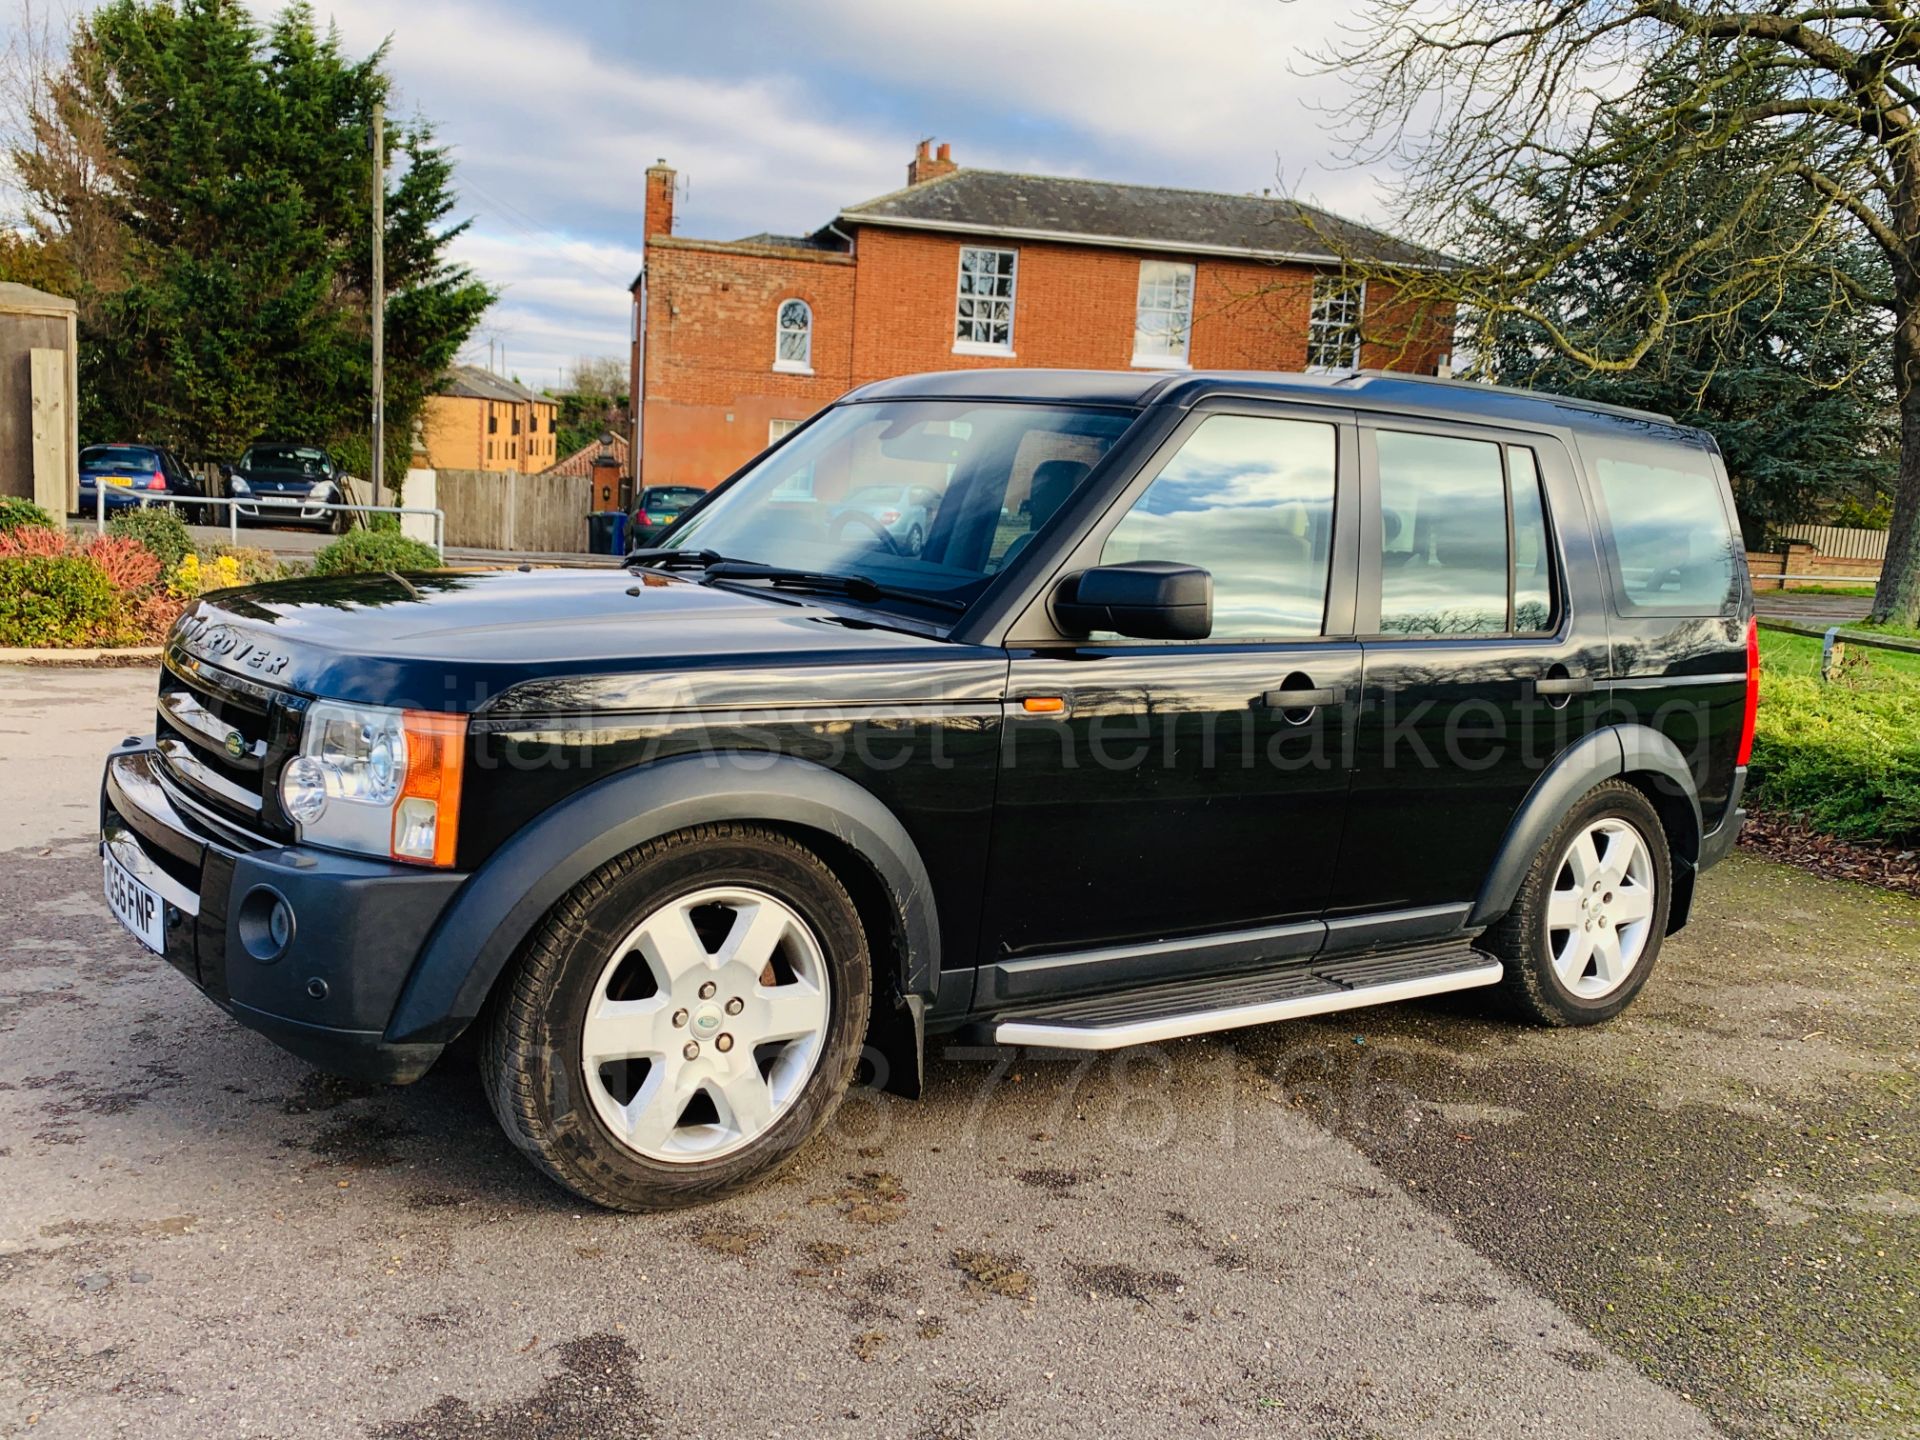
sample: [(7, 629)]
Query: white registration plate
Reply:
[(136, 906)]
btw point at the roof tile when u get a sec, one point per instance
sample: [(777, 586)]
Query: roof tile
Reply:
[(1148, 216)]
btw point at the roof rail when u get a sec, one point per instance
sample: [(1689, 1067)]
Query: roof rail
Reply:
[(1546, 396)]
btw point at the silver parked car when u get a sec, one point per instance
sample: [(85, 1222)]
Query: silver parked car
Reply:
[(904, 512)]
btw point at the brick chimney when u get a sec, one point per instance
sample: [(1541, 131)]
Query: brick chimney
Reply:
[(927, 165), (659, 209)]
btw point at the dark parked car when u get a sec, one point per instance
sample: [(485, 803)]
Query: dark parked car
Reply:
[(657, 507), (129, 475), (288, 484), (1208, 701)]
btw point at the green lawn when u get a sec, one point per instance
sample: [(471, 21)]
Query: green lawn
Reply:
[(1800, 655), (1844, 756), (1761, 587)]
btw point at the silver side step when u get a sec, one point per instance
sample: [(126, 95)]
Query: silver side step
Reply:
[(1148, 1017)]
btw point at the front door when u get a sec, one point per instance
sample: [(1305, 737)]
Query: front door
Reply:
[(1483, 648), (1161, 805)]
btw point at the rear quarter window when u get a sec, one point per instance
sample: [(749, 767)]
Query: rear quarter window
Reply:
[(1667, 533)]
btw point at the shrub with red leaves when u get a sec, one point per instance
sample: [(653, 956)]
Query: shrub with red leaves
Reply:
[(130, 566), (152, 616), (34, 540)]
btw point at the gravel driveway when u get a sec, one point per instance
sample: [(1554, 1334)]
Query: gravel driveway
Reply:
[(1406, 1222)]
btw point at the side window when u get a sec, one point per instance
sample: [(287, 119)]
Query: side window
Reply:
[(1251, 500), (1532, 550), (1668, 538), (1443, 541)]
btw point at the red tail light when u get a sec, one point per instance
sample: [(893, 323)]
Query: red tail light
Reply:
[(889, 517), (1753, 693), (158, 482)]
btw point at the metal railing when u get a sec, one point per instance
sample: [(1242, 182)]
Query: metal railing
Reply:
[(1834, 640), (145, 498)]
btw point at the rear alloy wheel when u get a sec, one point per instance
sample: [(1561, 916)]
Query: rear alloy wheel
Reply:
[(1600, 910), (683, 1020), (1587, 925)]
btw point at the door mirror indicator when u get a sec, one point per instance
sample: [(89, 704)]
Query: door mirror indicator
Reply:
[(1144, 600)]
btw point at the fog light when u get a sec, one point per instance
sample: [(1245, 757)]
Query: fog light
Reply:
[(303, 789), (416, 826), (266, 924)]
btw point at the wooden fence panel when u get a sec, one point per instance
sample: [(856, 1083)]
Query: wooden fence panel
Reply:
[(550, 513), (51, 424), (501, 510), (1840, 542)]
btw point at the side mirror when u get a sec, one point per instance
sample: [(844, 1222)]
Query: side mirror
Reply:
[(1146, 600)]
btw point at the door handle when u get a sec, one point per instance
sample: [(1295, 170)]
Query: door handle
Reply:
[(1325, 697), (1564, 685)]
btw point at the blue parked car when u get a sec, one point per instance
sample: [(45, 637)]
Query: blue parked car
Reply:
[(133, 475)]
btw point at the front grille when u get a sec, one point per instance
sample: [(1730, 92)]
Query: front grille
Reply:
[(223, 738)]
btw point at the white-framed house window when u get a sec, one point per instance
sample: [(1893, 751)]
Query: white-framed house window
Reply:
[(793, 345), (983, 308), (1163, 314), (1333, 326), (777, 428)]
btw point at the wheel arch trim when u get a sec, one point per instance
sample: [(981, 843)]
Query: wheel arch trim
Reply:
[(1615, 750), (501, 903)]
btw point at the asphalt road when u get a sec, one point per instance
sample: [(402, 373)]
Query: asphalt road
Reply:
[(1814, 609), (1416, 1222)]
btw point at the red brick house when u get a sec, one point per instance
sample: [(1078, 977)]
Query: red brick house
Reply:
[(734, 341)]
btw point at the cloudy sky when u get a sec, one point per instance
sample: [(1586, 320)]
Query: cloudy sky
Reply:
[(778, 113)]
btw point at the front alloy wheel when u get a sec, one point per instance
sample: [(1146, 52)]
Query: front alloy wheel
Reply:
[(683, 1020), (705, 1024)]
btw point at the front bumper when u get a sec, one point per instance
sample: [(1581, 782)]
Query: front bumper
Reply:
[(358, 924), (275, 507)]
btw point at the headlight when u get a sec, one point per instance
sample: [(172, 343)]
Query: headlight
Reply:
[(239, 486), (378, 781)]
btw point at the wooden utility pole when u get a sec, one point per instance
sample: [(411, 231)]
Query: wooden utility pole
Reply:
[(379, 298)]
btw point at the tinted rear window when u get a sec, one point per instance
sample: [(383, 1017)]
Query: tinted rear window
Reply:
[(108, 459), (1670, 537)]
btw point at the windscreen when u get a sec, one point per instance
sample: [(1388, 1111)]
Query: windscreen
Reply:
[(933, 496), (304, 460)]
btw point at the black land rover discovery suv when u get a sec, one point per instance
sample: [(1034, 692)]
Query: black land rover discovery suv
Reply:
[(1204, 701)]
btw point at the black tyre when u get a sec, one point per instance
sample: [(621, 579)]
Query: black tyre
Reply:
[(685, 1019), (1586, 927)]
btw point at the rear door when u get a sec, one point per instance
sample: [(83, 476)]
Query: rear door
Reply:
[(1681, 598), (1172, 799), (1485, 642)]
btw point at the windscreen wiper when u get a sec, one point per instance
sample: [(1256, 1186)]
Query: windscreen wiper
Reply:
[(669, 558), (854, 587)]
